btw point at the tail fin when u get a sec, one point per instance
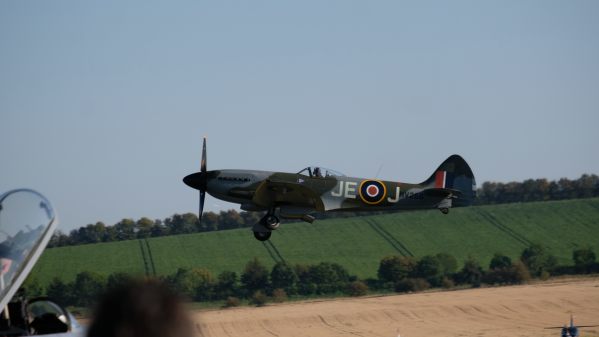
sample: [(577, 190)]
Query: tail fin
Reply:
[(454, 173)]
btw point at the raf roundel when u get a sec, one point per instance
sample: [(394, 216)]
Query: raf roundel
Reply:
[(372, 192)]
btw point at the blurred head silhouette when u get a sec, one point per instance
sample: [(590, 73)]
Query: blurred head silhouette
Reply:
[(139, 308)]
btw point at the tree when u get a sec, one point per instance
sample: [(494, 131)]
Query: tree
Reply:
[(328, 277), (471, 273), (250, 218), (181, 283), (118, 279), (411, 284), (305, 286), (32, 287), (501, 271), (513, 274), (99, 231), (447, 263), (521, 273), (210, 222), (159, 229), (584, 260), (255, 276), (88, 286), (204, 284), (111, 234), (395, 268), (59, 239), (195, 283), (144, 227), (60, 292), (279, 295), (342, 273), (230, 219), (227, 285), (259, 298), (125, 229), (500, 261), (429, 268), (282, 276), (357, 288), (537, 259), (89, 234), (182, 223)]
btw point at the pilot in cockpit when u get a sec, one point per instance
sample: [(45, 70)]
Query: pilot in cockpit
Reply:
[(317, 172)]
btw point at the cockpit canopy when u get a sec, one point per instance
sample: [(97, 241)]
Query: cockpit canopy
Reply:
[(320, 172)]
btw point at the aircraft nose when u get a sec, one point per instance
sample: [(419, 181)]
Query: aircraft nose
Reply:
[(194, 180)]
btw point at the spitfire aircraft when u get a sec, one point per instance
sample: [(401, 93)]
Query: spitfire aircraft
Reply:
[(317, 189)]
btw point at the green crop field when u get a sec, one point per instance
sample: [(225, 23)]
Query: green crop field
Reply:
[(356, 243)]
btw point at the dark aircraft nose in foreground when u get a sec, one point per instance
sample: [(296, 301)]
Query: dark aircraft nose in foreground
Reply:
[(194, 180)]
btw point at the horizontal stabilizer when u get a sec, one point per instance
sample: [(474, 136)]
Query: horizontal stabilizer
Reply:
[(441, 192)]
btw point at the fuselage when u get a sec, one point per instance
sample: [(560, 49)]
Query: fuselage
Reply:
[(311, 192)]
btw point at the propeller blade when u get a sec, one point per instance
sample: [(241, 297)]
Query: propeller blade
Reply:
[(199, 180), (202, 197), (203, 162)]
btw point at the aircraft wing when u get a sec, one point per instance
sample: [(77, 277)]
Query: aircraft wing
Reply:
[(272, 193)]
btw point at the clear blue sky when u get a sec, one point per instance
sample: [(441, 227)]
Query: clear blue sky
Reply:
[(103, 104)]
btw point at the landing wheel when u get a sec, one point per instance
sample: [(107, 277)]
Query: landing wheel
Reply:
[(271, 222), (262, 236), (444, 210)]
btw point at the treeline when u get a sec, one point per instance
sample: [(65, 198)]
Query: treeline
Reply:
[(586, 186), (258, 285), (129, 229)]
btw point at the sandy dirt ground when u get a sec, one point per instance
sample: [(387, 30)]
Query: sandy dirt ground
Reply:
[(489, 312)]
